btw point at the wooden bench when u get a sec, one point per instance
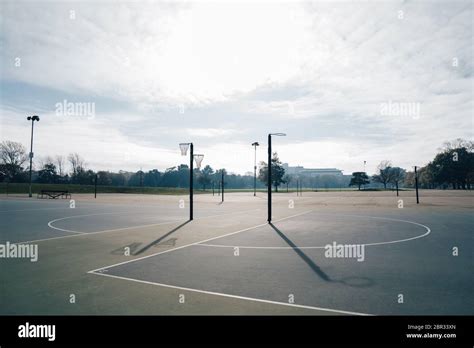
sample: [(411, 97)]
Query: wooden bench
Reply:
[(54, 194)]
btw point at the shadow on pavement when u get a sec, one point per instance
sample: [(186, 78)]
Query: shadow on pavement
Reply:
[(359, 282), (146, 247)]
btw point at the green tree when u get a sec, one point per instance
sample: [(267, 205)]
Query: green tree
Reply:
[(359, 179), (83, 176), (48, 174), (277, 172), (205, 176), (152, 178), (137, 179), (453, 167), (104, 178), (426, 177)]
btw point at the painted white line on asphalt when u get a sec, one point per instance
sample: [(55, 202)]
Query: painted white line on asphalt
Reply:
[(202, 241), (14, 210), (428, 231), (235, 296), (50, 224), (77, 233)]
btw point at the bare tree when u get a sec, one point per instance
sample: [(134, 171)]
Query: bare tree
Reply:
[(457, 144), (42, 162), (12, 153), (59, 159), (76, 161), (397, 175), (384, 175)]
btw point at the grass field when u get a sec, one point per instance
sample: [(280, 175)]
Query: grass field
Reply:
[(12, 188), (72, 188)]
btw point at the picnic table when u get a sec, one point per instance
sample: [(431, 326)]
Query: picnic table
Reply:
[(54, 194)]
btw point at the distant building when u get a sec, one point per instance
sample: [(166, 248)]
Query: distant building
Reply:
[(311, 172)]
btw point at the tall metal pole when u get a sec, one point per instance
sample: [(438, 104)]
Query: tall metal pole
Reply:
[(191, 182), (222, 183), (95, 187), (255, 172), (31, 154), (269, 178), (255, 144), (365, 162), (416, 187)]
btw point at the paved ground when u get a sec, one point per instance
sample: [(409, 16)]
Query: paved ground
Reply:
[(230, 261)]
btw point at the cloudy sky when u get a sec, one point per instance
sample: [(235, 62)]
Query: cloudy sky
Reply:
[(347, 81)]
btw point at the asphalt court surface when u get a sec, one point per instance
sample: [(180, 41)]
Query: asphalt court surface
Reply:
[(406, 251), (24, 221), (287, 259)]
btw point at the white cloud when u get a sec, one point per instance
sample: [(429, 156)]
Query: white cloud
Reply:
[(154, 53), (102, 146), (209, 132), (316, 70)]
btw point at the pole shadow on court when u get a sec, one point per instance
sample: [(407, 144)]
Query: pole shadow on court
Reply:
[(146, 247), (358, 282), (301, 254)]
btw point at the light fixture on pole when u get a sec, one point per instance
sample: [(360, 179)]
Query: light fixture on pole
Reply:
[(32, 119), (269, 173), (255, 144)]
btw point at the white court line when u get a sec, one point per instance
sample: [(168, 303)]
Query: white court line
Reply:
[(235, 296), (202, 241), (50, 224), (428, 231), (122, 229), (97, 272), (77, 234), (29, 200), (14, 210)]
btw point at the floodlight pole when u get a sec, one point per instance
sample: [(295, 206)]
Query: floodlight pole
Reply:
[(255, 144), (32, 119), (416, 187), (191, 181), (365, 162)]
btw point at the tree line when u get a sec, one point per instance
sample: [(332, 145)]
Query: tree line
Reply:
[(452, 167), (72, 169)]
